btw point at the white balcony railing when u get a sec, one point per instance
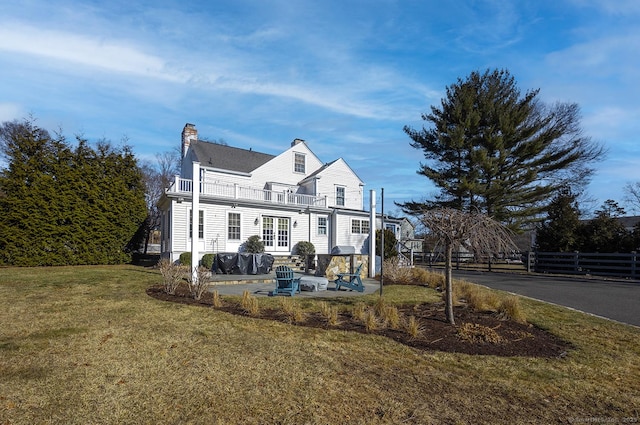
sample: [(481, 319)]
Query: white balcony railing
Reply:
[(236, 191)]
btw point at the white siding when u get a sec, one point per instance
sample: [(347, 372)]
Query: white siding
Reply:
[(280, 171), (339, 174), (280, 168)]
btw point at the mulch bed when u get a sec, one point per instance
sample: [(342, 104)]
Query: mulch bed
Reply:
[(475, 333)]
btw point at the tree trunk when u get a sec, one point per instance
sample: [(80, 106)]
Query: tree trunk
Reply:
[(448, 284)]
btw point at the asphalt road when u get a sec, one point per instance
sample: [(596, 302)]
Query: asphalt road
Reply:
[(613, 299)]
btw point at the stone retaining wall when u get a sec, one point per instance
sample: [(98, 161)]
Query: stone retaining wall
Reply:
[(330, 265)]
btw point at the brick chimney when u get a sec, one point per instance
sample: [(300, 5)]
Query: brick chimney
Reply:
[(189, 135), (296, 141)]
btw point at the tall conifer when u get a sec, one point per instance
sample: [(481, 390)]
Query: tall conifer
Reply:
[(490, 149)]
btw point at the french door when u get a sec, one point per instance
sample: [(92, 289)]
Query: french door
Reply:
[(275, 234)]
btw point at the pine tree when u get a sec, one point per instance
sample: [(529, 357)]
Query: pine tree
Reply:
[(491, 150)]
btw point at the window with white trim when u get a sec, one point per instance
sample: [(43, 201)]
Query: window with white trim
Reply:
[(299, 163), (322, 225), (233, 226), (200, 224), (340, 195), (359, 226)]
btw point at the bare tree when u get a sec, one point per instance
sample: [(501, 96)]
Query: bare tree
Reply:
[(632, 195), (157, 178), (473, 231)]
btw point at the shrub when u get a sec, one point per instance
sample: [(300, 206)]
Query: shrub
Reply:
[(306, 251), (207, 261), (395, 273), (172, 275), (201, 283), (431, 279), (304, 248), (254, 245), (185, 259)]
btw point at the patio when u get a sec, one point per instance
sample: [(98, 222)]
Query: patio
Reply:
[(262, 285)]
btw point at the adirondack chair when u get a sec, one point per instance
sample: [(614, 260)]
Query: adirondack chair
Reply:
[(350, 280), (286, 283)]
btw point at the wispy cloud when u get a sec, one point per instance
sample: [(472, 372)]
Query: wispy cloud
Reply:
[(109, 55)]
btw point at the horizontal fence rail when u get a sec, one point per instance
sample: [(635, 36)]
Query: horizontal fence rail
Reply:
[(617, 264), (625, 265)]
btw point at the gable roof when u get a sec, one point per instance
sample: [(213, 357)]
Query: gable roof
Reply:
[(318, 171), (327, 165), (228, 158)]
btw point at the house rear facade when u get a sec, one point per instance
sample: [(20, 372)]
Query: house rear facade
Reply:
[(284, 199)]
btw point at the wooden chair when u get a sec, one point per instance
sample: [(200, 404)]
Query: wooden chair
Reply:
[(286, 282), (350, 280)]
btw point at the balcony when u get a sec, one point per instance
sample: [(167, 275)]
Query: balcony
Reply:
[(246, 193)]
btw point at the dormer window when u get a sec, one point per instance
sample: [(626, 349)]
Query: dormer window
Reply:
[(299, 163)]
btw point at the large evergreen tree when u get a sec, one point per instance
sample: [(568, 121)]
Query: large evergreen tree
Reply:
[(561, 229), (63, 205), (491, 150)]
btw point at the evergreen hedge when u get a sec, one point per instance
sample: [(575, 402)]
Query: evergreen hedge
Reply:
[(64, 205)]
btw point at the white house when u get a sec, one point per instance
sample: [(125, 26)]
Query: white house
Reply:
[(284, 199)]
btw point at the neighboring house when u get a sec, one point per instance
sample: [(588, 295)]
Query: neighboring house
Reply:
[(284, 199)]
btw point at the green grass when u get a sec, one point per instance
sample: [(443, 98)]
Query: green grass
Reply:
[(85, 345)]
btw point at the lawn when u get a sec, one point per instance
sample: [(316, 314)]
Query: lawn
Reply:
[(87, 345)]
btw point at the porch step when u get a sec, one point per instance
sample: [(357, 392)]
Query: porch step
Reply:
[(292, 261)]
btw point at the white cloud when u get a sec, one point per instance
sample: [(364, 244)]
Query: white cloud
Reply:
[(113, 56)]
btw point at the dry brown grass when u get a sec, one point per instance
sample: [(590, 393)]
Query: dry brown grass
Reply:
[(86, 345), (250, 304), (358, 311), (510, 308), (397, 274), (412, 327), (292, 309), (474, 332), (370, 320)]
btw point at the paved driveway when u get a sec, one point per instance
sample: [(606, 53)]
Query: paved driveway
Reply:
[(614, 299)]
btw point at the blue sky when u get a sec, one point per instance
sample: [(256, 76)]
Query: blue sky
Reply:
[(346, 76)]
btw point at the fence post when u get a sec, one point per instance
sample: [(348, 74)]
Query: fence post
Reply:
[(530, 258), (576, 262), (634, 259)]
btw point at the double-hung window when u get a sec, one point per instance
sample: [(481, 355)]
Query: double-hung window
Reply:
[(322, 225), (299, 163), (233, 226), (200, 224), (340, 195)]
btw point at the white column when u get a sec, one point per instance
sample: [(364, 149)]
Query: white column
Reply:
[(195, 207), (372, 233)]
